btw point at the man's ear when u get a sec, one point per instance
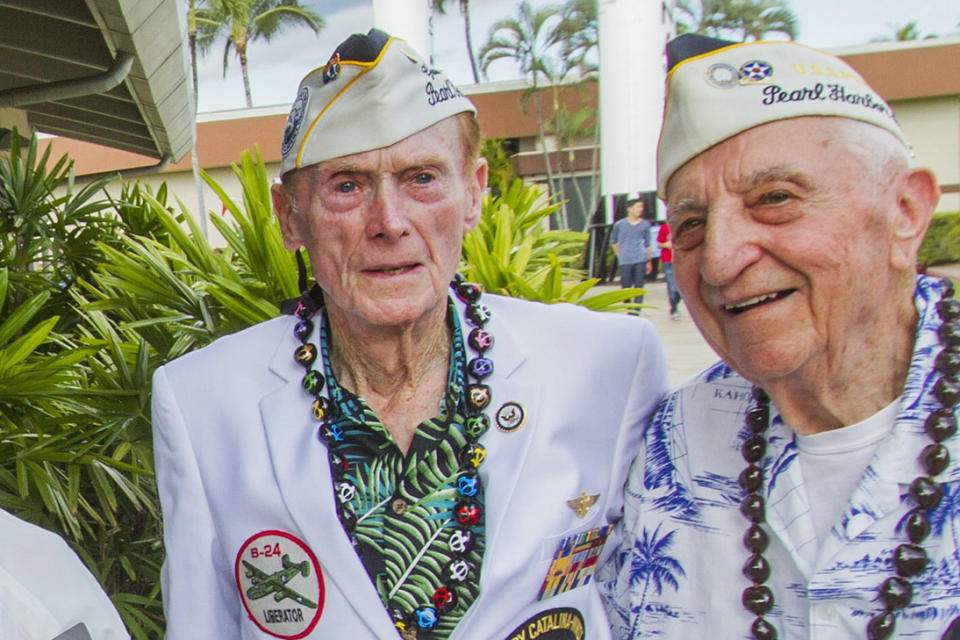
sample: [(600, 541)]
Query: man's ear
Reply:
[(477, 184), (283, 207), (917, 200)]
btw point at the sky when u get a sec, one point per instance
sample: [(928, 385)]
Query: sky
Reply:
[(278, 66)]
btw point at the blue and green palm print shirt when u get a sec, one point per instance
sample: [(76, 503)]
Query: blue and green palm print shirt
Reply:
[(405, 503), (678, 572)]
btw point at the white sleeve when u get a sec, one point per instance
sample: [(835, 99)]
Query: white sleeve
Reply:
[(45, 589), (198, 601)]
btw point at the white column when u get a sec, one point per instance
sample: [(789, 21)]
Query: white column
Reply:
[(407, 19), (632, 72)]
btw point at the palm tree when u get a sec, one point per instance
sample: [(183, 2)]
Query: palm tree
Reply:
[(903, 33), (568, 128), (201, 32), (700, 16), (650, 564), (202, 29), (245, 21), (440, 5), (578, 35), (757, 18), (738, 19), (531, 41)]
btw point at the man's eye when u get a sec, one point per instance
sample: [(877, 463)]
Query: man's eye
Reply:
[(347, 186), (423, 178), (688, 234), (774, 197)]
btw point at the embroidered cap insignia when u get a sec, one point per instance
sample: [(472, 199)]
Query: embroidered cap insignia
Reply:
[(332, 70), (755, 71)]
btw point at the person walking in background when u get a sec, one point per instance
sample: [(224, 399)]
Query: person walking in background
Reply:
[(666, 259), (654, 251), (632, 243)]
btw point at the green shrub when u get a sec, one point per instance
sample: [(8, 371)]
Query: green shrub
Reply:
[(97, 292), (511, 252), (942, 242)]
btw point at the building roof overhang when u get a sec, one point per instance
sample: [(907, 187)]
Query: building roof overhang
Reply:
[(110, 72)]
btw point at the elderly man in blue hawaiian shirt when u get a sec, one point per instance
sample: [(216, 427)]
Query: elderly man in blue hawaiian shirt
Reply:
[(806, 486)]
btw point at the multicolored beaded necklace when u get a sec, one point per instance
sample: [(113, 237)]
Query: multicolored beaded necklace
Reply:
[(909, 559), (465, 524)]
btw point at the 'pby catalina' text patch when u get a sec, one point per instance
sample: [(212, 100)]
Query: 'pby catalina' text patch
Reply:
[(563, 623), (280, 584)]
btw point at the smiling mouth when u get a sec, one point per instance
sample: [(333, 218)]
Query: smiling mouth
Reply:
[(756, 301)]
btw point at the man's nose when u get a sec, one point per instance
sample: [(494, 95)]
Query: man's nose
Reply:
[(730, 244), (387, 218)]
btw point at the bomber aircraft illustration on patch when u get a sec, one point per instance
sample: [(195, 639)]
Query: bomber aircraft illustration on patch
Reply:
[(276, 583)]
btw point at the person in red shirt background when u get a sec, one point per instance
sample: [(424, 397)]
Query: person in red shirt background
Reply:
[(666, 261)]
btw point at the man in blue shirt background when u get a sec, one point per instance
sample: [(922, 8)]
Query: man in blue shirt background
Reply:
[(632, 241)]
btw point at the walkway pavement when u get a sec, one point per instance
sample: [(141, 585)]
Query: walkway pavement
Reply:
[(687, 351)]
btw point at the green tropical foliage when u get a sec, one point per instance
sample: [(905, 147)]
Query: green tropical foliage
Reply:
[(941, 244), (511, 252), (98, 291), (499, 165), (76, 453), (46, 240)]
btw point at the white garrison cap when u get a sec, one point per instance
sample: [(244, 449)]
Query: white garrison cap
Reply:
[(374, 91), (717, 89)]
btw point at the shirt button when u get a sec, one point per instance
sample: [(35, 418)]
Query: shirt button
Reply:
[(398, 506)]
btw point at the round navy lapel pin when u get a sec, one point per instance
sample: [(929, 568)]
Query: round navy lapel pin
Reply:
[(511, 416)]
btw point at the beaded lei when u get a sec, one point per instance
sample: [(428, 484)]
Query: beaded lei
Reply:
[(909, 558), (464, 527)]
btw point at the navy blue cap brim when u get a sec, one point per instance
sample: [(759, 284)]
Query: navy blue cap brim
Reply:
[(691, 45)]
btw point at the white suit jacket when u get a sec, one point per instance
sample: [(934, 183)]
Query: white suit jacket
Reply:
[(240, 468)]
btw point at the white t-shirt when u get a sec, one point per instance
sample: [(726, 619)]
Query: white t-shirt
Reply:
[(833, 462)]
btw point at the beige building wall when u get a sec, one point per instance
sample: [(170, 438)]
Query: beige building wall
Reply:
[(933, 127)]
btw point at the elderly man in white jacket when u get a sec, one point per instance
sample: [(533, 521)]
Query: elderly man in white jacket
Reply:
[(363, 470)]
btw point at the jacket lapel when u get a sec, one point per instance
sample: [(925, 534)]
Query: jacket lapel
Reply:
[(507, 452), (302, 473)]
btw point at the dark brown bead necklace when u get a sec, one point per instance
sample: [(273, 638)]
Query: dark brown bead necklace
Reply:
[(909, 558)]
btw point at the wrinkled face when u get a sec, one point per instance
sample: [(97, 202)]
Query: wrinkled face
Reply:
[(785, 246), (383, 228)]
